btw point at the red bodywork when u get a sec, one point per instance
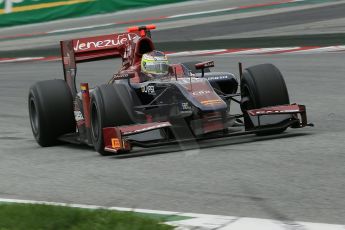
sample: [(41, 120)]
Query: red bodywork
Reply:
[(294, 109), (113, 136), (130, 47)]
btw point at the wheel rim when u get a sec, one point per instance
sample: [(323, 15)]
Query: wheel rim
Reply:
[(33, 116), (94, 122)]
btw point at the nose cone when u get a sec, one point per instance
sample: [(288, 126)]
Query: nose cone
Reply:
[(202, 95)]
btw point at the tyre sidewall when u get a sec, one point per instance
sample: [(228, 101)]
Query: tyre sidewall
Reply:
[(266, 88), (54, 110), (113, 106)]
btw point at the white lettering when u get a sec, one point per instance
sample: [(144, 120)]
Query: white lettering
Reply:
[(149, 89), (99, 44), (108, 43), (199, 93), (185, 106), (104, 43), (78, 116), (217, 77), (148, 128), (81, 46)]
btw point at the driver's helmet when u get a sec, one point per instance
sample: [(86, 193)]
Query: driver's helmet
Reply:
[(154, 63)]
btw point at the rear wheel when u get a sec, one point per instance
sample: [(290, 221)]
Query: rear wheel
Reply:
[(50, 111), (262, 86), (111, 105)]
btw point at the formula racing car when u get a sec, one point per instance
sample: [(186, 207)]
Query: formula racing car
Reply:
[(151, 102)]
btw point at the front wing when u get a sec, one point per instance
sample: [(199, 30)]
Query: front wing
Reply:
[(263, 119)]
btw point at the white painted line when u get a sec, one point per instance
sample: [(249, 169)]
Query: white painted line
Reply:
[(150, 8), (322, 49), (278, 49), (202, 12), (196, 52), (229, 9), (79, 28), (216, 52), (264, 50), (247, 51), (87, 206), (204, 221), (20, 59)]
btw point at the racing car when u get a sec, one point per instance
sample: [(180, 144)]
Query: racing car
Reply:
[(173, 103)]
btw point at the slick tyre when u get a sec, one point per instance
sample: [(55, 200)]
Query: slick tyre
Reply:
[(262, 86), (50, 111), (111, 105)]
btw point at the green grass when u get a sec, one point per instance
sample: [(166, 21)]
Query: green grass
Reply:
[(46, 217)]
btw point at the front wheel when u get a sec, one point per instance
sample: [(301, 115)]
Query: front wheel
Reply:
[(262, 86), (111, 105)]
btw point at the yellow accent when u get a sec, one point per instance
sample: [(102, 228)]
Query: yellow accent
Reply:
[(45, 5), (83, 87), (115, 143)]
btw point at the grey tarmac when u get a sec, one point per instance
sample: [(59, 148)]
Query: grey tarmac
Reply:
[(246, 24), (298, 175)]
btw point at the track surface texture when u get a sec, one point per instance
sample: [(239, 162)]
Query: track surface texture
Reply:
[(325, 16), (298, 175), (253, 23)]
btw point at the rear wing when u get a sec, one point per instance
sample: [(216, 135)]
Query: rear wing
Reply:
[(90, 49), (96, 48)]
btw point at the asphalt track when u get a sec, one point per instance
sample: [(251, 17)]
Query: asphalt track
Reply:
[(252, 24), (295, 176), (298, 175), (225, 25)]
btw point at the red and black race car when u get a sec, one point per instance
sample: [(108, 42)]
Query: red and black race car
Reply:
[(188, 103)]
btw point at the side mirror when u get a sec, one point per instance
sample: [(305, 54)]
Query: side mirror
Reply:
[(203, 66)]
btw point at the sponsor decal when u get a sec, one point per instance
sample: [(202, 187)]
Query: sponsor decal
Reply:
[(202, 92), (115, 143), (209, 64), (188, 80), (211, 102), (275, 111), (158, 126), (83, 88), (103, 43), (218, 77), (78, 116), (185, 106), (119, 76), (149, 89), (204, 65)]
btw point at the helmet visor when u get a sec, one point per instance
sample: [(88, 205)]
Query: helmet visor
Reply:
[(157, 67)]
